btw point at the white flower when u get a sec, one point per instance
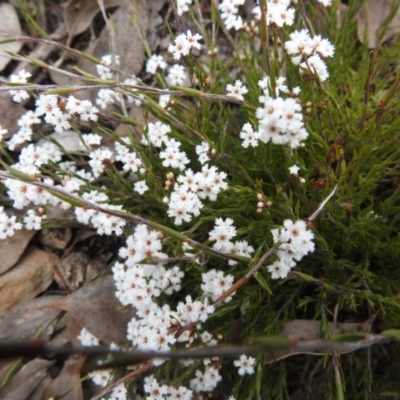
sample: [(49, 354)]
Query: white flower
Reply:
[(245, 364), (294, 169), (295, 241), (45, 104), (250, 138), (87, 339), (103, 70), (157, 133), (154, 63), (140, 187), (326, 3), (237, 90), (176, 75), (215, 283), (316, 65), (8, 225), (279, 269), (207, 381), (106, 97), (164, 100), (222, 233), (21, 77), (119, 392), (91, 139), (184, 44), (101, 377), (183, 6)]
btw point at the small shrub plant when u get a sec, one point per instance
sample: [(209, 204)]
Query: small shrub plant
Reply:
[(262, 188)]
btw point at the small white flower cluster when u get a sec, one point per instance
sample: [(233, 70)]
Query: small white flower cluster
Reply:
[(237, 90), (33, 221), (172, 155), (19, 94), (222, 234), (207, 381), (229, 13), (307, 52), (164, 100), (278, 13), (109, 96), (138, 283), (101, 377), (326, 3), (32, 157), (295, 241), (25, 131), (8, 225), (249, 136), (215, 283), (153, 279), (160, 392), (130, 159), (245, 365), (190, 189), (87, 339), (119, 392), (105, 224), (60, 118), (103, 69), (177, 75), (202, 150), (154, 63), (266, 87), (99, 158), (184, 43), (294, 170), (183, 6), (281, 121), (193, 310)]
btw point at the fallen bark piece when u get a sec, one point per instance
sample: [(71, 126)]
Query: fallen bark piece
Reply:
[(12, 248), (9, 23), (26, 380), (66, 385), (30, 276), (25, 319), (99, 311)]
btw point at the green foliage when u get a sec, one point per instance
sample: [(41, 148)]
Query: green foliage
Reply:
[(353, 121)]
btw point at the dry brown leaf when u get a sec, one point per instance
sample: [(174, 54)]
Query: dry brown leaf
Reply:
[(26, 380), (303, 330), (67, 379), (29, 277), (10, 113), (12, 248), (372, 18), (98, 310), (25, 319), (9, 23), (79, 14)]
